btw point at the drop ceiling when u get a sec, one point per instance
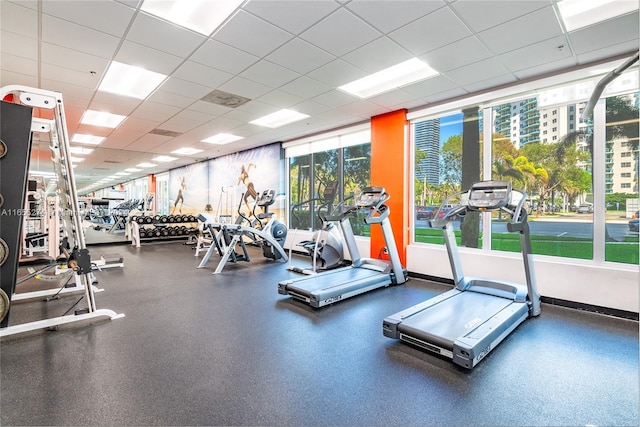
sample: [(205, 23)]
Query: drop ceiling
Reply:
[(279, 54)]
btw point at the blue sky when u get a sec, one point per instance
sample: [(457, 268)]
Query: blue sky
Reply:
[(450, 125)]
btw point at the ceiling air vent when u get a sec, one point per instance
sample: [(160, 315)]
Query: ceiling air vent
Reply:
[(164, 132), (225, 99), (111, 161)]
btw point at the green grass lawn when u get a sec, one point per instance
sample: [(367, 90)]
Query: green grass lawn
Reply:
[(625, 252)]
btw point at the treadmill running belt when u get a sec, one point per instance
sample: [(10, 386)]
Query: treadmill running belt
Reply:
[(453, 318)]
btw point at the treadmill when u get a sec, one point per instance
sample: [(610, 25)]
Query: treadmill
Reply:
[(467, 322), (364, 274)]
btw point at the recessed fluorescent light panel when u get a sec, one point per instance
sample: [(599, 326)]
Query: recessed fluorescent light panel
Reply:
[(186, 151), (222, 138), (76, 159), (202, 16), (87, 139), (146, 165), (581, 13), (399, 75), (122, 173), (133, 170), (164, 159), (80, 150), (279, 118), (102, 119), (127, 80)]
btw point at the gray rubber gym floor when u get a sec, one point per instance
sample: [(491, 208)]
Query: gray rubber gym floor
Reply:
[(198, 349)]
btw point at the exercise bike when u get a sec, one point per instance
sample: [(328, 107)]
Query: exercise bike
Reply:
[(326, 247)]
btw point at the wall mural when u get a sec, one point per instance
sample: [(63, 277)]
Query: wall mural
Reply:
[(188, 191), (237, 179), (221, 184)]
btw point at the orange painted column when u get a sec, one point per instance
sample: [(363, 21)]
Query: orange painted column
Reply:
[(389, 169)]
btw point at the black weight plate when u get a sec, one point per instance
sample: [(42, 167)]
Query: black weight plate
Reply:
[(4, 304), (3, 149), (1, 200), (4, 251)]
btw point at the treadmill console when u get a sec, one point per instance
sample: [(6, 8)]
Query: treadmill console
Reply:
[(489, 195), (371, 197)]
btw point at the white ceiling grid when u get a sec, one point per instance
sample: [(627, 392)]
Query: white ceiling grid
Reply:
[(281, 54)]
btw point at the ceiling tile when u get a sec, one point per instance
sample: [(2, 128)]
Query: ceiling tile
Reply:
[(15, 18), (627, 48), (387, 16), (551, 50), (312, 108), (201, 74), (480, 15), (73, 59), (115, 104), (293, 17), (122, 137), (13, 78), (184, 88), (154, 111), (18, 45), (223, 57), (428, 33), (243, 87), (209, 108), (300, 56), (430, 86), (104, 16), (18, 64), (618, 30), (546, 68), (147, 142), (520, 32), (269, 74), (490, 83), (337, 73), (280, 98), (334, 99), (457, 54), (164, 36), (83, 39), (377, 55), (148, 58), (306, 87), (66, 75), (176, 100), (180, 124), (340, 32), (477, 72), (263, 38)]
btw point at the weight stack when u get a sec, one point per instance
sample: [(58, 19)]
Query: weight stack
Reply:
[(15, 150)]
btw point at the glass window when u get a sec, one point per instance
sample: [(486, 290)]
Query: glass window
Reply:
[(162, 194), (621, 194), (300, 192), (557, 179), (442, 146), (325, 180), (357, 175)]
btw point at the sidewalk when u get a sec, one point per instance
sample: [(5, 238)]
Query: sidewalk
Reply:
[(610, 217)]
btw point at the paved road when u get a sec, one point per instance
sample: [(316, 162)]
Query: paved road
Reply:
[(569, 225)]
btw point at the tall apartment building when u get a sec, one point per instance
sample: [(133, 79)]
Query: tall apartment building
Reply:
[(427, 139)]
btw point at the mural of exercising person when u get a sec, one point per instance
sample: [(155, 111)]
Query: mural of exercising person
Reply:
[(180, 197), (244, 178)]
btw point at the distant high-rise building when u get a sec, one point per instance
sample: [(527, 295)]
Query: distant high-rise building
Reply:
[(427, 138)]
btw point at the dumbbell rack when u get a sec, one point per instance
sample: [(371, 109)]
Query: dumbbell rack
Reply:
[(71, 221), (157, 227)]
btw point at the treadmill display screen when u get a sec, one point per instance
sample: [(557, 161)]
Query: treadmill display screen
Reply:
[(488, 198)]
